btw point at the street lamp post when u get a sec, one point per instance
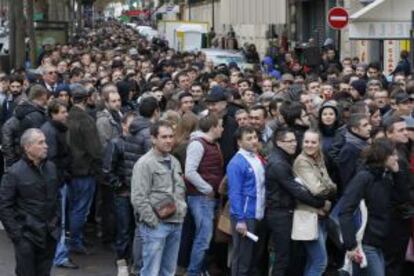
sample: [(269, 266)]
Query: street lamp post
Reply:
[(189, 10), (412, 41), (212, 13)]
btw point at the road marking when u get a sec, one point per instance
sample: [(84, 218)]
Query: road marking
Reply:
[(338, 18)]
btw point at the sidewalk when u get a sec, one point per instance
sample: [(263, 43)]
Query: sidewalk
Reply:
[(100, 263)]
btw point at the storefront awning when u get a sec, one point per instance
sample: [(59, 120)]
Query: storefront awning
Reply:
[(382, 19)]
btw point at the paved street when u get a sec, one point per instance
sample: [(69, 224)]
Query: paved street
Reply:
[(100, 263)]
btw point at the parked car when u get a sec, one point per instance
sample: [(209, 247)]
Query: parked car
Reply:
[(220, 56)]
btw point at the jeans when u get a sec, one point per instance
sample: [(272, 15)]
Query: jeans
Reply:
[(81, 192), (124, 227), (280, 225), (62, 250), (160, 248), (202, 209), (137, 248), (316, 255), (375, 263)]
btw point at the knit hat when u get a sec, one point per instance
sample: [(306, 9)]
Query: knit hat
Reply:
[(60, 88), (360, 86)]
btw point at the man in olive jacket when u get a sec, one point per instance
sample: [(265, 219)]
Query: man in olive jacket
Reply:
[(86, 166), (156, 178), (28, 206)]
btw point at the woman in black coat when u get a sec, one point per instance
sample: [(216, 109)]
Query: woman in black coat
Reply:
[(373, 184)]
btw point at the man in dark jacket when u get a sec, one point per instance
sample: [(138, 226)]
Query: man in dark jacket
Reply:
[(49, 78), (282, 192), (401, 202), (14, 96), (28, 206), (216, 102), (32, 113), (86, 165), (120, 156), (108, 123), (356, 139), (28, 114), (59, 153)]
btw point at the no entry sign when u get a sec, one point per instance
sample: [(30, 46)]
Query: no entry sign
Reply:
[(338, 18)]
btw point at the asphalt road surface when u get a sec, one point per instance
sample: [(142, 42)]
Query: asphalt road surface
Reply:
[(101, 262)]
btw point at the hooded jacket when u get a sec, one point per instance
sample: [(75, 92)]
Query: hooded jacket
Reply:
[(123, 152), (30, 115), (349, 157), (375, 185), (203, 165), (270, 69), (27, 115)]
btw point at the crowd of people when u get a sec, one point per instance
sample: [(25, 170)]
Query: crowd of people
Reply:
[(190, 168)]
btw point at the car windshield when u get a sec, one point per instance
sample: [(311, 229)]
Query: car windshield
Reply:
[(227, 59)]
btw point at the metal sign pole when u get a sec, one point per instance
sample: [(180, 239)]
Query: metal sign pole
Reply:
[(412, 41)]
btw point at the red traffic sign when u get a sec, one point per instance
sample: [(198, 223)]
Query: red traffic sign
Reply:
[(338, 18)]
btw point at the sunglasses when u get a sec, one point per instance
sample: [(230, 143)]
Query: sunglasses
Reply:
[(52, 72)]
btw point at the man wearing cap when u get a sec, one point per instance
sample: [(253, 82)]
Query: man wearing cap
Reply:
[(86, 165), (287, 80), (216, 102), (402, 105)]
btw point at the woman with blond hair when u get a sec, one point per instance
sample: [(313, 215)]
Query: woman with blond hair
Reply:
[(308, 222), (187, 125)]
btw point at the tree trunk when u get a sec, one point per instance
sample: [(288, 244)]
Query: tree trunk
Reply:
[(31, 32), (20, 34), (12, 34), (79, 16), (53, 14), (71, 10)]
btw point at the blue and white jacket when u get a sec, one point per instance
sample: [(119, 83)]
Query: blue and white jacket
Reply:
[(245, 174)]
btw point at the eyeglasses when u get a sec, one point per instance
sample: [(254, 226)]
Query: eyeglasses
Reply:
[(289, 141)]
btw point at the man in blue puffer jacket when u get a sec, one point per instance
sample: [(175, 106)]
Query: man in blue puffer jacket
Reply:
[(245, 174)]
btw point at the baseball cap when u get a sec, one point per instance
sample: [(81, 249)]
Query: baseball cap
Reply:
[(409, 121), (217, 94), (78, 91), (288, 77), (401, 97)]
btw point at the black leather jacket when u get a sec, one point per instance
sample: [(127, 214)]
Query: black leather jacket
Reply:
[(29, 202), (123, 152), (282, 190), (375, 186)]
